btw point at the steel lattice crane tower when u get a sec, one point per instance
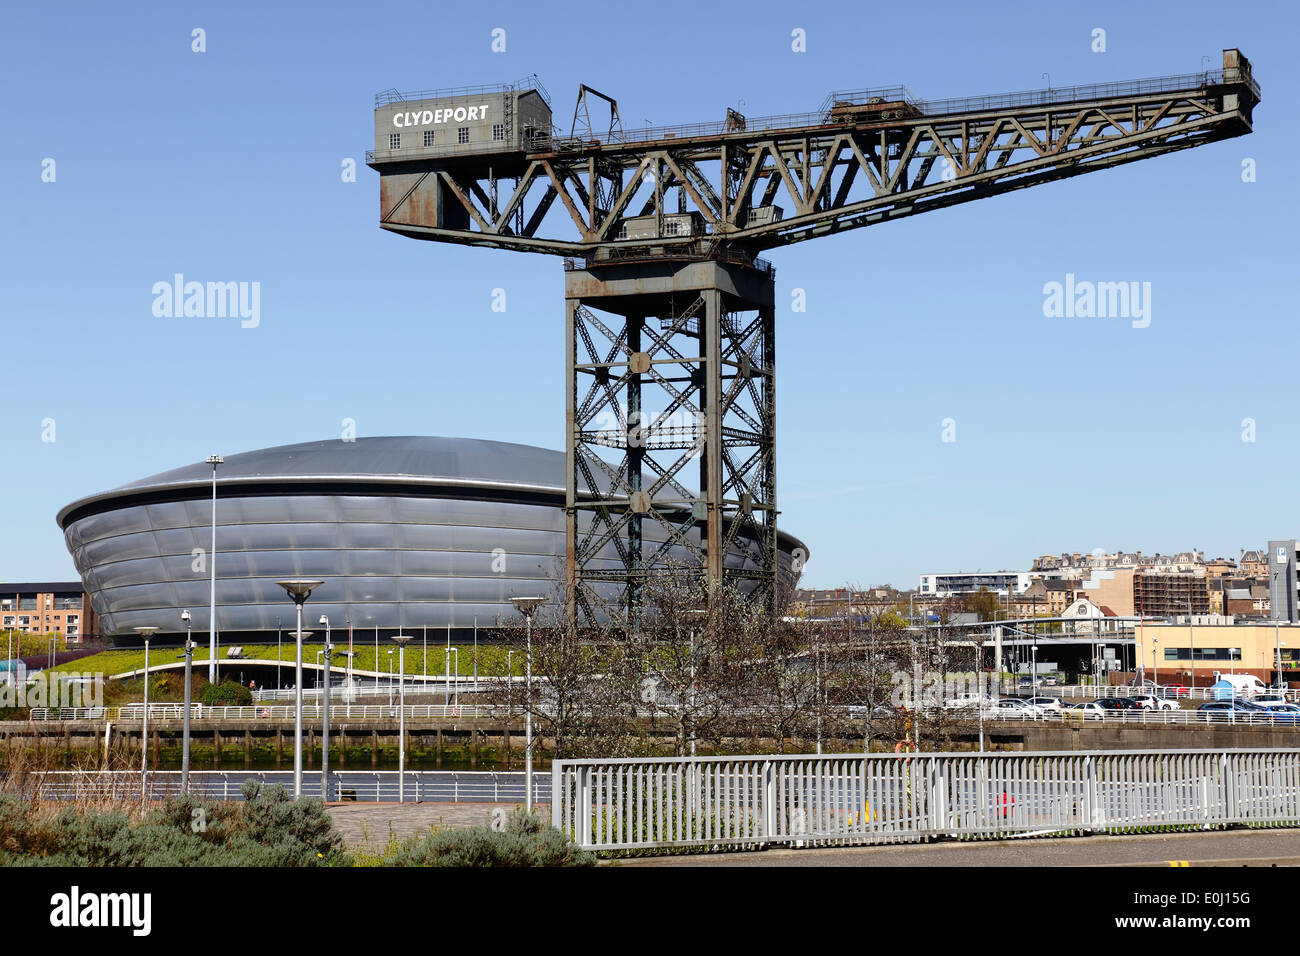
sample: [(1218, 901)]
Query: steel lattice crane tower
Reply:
[(670, 396)]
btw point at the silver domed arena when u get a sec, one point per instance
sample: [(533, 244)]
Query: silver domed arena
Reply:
[(404, 533)]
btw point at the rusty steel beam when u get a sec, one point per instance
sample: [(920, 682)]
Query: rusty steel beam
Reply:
[(827, 173)]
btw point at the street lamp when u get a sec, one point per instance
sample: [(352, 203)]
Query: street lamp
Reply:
[(146, 633), (298, 590), (185, 737), (527, 606), (213, 460), (325, 716), (401, 640), (1155, 661), (1034, 648)]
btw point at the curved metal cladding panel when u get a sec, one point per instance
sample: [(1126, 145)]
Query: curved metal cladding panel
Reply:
[(404, 533)]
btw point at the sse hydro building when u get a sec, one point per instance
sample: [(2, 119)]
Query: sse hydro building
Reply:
[(405, 533)]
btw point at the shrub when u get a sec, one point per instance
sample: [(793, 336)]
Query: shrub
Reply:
[(524, 842), (268, 829), (226, 693)]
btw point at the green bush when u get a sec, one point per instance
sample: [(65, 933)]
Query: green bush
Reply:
[(227, 693), (524, 842), (267, 829)]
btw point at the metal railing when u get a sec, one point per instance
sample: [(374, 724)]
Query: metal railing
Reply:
[(530, 82), (858, 799), (1148, 717), (1129, 690), (338, 711), (927, 108), (365, 786)]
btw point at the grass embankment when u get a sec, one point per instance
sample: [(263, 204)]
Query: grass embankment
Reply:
[(491, 658)]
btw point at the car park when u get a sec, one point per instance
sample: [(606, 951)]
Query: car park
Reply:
[(1175, 690)]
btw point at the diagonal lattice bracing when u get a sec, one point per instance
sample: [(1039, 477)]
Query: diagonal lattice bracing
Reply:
[(671, 431)]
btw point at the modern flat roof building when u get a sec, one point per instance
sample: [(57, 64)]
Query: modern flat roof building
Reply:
[(969, 582)]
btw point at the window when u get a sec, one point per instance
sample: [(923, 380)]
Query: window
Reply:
[(1203, 654), (428, 137), (498, 132), (394, 140), (462, 134)]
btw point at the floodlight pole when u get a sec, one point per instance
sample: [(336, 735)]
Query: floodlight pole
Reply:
[(146, 633), (213, 460), (401, 641), (298, 591), (325, 716), (527, 606), (185, 737)]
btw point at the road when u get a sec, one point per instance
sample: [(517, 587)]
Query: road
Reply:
[(1217, 848)]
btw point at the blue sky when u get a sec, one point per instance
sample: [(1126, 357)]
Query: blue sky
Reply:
[(1072, 434)]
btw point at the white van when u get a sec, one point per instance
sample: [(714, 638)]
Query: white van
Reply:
[(1238, 685)]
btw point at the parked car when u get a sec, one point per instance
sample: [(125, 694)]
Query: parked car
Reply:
[(1175, 690), (1151, 702), (1230, 710), (1014, 708), (1282, 713), (1086, 710), (1117, 703), (1048, 706), (1269, 700)]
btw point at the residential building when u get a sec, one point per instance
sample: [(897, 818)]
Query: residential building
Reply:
[(1253, 564), (968, 582), (1169, 593), (52, 607)]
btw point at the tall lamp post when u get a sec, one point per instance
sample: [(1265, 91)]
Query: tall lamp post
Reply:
[(527, 606), (401, 640), (213, 460), (299, 590), (1155, 662), (185, 737), (146, 633), (325, 716)]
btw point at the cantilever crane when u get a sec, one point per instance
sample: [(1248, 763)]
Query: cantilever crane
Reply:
[(669, 317)]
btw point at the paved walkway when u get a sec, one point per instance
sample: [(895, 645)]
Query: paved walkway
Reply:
[(374, 824)]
